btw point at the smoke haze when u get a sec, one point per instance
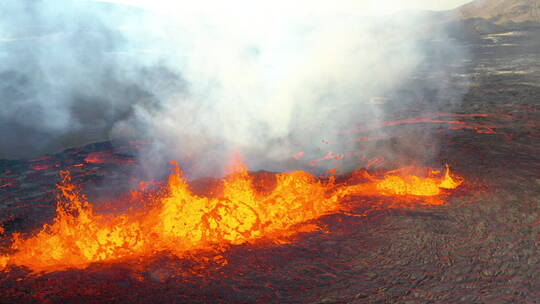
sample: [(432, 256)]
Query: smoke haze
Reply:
[(202, 85)]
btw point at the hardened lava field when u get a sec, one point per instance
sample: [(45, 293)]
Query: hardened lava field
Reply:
[(349, 238)]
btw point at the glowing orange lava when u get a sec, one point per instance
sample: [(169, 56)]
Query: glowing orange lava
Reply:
[(179, 221), (434, 118), (105, 157)]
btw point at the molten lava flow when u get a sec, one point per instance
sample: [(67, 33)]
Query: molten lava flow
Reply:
[(39, 167), (402, 183), (179, 221), (414, 185), (433, 118), (106, 157), (448, 182)]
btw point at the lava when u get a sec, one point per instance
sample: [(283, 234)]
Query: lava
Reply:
[(106, 157), (328, 155), (39, 167), (432, 118), (178, 221)]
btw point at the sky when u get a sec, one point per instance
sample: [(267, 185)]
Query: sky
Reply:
[(361, 6)]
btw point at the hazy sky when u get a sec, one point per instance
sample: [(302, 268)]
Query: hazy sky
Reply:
[(361, 6)]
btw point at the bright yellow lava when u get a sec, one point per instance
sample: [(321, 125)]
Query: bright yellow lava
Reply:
[(180, 221)]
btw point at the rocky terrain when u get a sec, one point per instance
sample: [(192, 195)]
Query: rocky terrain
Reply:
[(481, 247), (502, 11), (492, 16)]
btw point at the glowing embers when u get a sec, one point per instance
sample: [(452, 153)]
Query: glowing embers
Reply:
[(243, 210)]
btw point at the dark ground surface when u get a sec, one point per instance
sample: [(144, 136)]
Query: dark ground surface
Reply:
[(481, 247)]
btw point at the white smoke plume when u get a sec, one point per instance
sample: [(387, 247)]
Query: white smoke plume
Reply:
[(205, 81)]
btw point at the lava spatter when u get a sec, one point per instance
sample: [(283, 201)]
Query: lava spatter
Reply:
[(179, 221)]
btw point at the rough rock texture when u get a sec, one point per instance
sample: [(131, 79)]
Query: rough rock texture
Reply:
[(494, 16), (503, 11)]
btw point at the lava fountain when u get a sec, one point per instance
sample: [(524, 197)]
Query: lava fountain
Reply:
[(176, 220)]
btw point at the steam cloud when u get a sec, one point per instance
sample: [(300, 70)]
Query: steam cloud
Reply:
[(204, 85)]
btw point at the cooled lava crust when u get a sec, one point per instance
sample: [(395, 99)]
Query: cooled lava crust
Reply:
[(480, 247)]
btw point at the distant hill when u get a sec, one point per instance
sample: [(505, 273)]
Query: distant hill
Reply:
[(490, 16), (502, 11)]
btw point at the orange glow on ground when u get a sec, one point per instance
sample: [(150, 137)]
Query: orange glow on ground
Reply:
[(105, 157), (433, 118), (178, 221)]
